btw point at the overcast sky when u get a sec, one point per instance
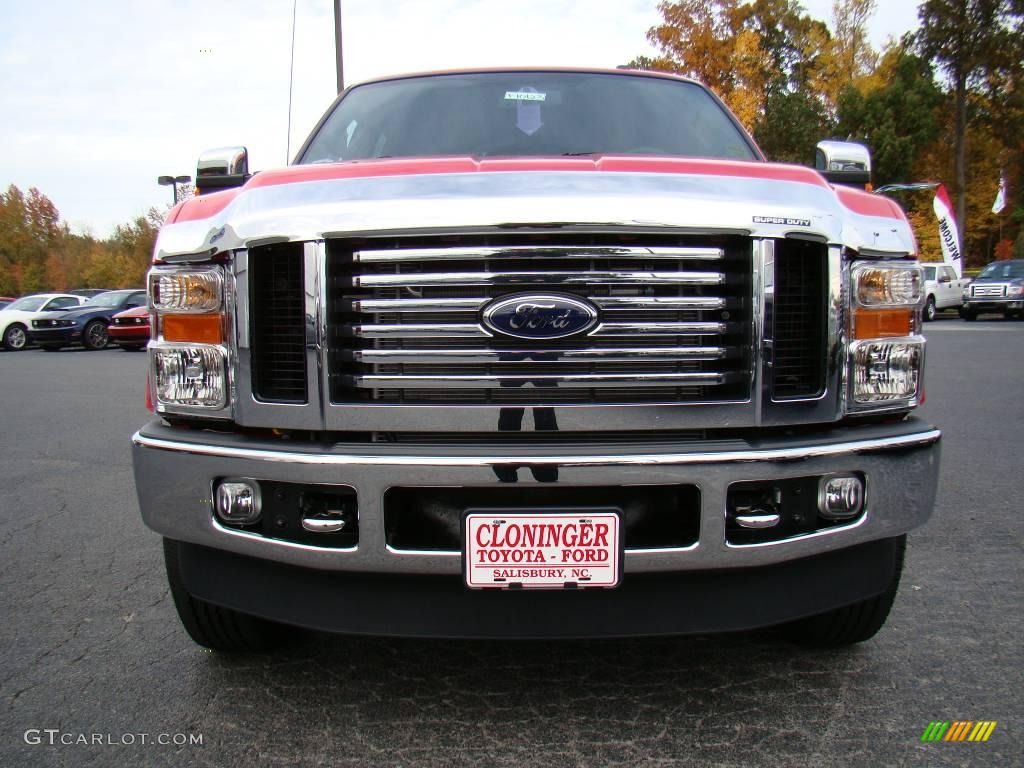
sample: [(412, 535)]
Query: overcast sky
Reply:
[(98, 99)]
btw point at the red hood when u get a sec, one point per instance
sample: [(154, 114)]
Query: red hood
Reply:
[(211, 204)]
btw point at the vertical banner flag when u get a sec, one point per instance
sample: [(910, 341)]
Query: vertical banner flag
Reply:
[(1000, 203), (949, 235)]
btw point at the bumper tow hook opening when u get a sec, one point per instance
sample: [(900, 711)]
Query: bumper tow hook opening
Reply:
[(330, 522), (757, 518)]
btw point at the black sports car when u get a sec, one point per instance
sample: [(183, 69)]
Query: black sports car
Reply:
[(87, 324)]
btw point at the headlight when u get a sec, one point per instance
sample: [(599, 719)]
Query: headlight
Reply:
[(189, 370), (887, 299), (1015, 290), (886, 370), (193, 375), (886, 352), (186, 290), (877, 284)]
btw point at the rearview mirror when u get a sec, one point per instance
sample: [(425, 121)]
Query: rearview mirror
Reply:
[(844, 162), (222, 168)]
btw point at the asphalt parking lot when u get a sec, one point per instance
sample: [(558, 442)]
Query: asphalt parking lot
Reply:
[(91, 644)]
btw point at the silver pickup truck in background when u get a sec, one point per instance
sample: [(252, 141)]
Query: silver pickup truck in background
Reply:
[(534, 353)]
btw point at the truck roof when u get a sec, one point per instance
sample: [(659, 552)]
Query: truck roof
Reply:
[(496, 70)]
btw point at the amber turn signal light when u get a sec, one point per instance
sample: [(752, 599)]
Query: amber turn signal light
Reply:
[(882, 323), (202, 329)]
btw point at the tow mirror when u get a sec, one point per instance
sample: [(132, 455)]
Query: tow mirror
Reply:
[(844, 162), (222, 168)]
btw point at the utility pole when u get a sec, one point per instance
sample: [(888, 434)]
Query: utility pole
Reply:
[(337, 45)]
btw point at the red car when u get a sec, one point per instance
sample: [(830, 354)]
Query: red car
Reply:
[(130, 329)]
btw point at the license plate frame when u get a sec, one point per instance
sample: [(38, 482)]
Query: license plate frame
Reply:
[(600, 550)]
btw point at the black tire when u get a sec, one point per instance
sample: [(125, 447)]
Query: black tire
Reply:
[(968, 315), (94, 335), (51, 347), (217, 628), (929, 309), (15, 338), (852, 623)]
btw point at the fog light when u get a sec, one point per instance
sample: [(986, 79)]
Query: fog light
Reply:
[(886, 370), (190, 374), (238, 502), (840, 496)]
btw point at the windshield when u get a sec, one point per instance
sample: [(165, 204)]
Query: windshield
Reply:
[(929, 273), (109, 299), (527, 114), (1002, 270), (28, 304)]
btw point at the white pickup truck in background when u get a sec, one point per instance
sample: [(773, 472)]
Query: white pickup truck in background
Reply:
[(943, 289)]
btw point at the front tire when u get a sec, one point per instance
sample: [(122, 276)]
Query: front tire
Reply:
[(930, 310), (15, 337), (968, 315), (852, 623), (94, 336), (217, 628)]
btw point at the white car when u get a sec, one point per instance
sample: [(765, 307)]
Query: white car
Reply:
[(16, 317), (942, 289)]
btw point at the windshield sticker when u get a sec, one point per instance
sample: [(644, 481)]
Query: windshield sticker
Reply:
[(782, 220), (528, 102), (527, 94)]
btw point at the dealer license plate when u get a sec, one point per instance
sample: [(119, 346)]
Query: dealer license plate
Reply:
[(551, 550)]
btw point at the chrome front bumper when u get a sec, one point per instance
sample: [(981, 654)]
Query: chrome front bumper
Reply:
[(175, 471)]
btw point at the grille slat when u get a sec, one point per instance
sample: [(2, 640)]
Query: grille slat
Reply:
[(276, 306), (539, 380), (405, 327), (553, 277), (534, 252), (447, 330), (526, 356)]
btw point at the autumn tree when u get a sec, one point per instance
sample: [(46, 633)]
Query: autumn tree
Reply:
[(973, 42), (39, 252), (853, 61), (29, 231), (767, 59)]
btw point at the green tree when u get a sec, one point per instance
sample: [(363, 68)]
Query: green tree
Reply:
[(897, 120), (792, 125)]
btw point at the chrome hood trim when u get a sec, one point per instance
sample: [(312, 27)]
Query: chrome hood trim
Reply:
[(313, 210)]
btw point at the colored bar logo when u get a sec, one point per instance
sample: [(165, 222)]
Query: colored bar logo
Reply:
[(958, 730)]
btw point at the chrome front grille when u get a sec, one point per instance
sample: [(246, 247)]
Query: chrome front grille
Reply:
[(997, 290), (404, 319)]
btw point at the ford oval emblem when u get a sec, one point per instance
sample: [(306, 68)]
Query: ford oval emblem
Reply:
[(539, 316)]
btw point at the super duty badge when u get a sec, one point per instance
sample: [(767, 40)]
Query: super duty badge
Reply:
[(782, 220)]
